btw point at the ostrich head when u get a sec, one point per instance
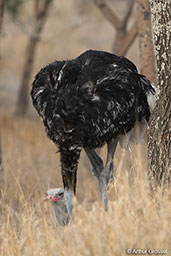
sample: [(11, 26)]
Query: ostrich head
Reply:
[(57, 198)]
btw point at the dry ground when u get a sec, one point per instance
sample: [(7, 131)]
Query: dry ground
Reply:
[(30, 167)]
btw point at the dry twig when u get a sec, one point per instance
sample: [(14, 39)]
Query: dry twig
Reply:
[(124, 38)]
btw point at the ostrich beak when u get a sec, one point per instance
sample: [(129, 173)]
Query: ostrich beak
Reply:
[(51, 198), (48, 198)]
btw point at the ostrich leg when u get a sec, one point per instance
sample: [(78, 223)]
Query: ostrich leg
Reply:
[(97, 169), (104, 175), (111, 147), (95, 160), (69, 164)]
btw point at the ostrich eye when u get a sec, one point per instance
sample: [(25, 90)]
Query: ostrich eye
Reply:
[(60, 194)]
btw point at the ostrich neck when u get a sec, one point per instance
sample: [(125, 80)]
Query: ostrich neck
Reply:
[(61, 212)]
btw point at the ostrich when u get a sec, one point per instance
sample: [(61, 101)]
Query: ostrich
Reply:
[(98, 98)]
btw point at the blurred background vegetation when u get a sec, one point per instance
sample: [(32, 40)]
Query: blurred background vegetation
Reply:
[(70, 28)]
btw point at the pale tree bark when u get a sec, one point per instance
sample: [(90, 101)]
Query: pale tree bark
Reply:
[(147, 59), (41, 9), (124, 36), (159, 139)]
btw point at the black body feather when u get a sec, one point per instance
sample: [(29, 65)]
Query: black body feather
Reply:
[(88, 101)]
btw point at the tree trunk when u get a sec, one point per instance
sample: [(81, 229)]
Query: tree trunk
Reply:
[(124, 37), (124, 41), (41, 14), (147, 59), (1, 20), (28, 66), (1, 13), (159, 140), (0, 154)]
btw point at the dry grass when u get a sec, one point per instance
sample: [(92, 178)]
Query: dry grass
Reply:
[(134, 219)]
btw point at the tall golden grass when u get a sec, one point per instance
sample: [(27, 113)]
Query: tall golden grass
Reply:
[(135, 219)]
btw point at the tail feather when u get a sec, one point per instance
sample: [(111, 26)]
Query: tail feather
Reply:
[(150, 90), (136, 135)]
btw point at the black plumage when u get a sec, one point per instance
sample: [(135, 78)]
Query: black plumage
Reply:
[(87, 102)]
